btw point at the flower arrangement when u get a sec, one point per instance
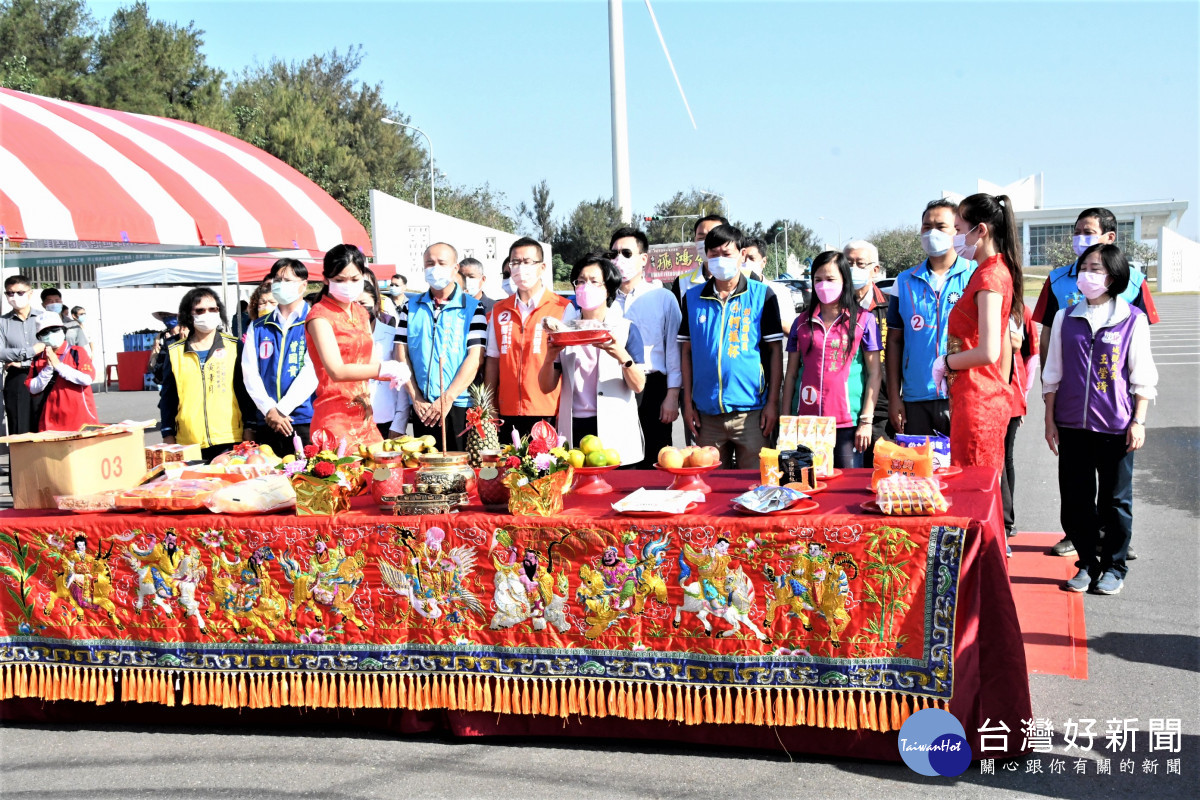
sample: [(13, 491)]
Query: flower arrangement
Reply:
[(324, 480), (537, 472), (537, 455)]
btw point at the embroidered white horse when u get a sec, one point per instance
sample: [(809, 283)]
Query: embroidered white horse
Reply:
[(735, 611)]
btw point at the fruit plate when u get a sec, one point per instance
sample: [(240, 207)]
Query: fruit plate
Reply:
[(687, 479), (948, 472), (803, 507), (590, 480), (872, 507), (656, 514), (570, 338)]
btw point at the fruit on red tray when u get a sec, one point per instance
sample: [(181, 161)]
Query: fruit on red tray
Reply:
[(699, 458), (714, 455), (670, 458)]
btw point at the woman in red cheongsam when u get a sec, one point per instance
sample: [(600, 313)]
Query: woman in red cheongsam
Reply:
[(342, 351), (978, 361)]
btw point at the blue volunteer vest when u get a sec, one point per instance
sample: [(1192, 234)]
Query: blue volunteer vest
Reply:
[(1066, 292), (923, 317), (727, 372), (442, 341), (281, 355)]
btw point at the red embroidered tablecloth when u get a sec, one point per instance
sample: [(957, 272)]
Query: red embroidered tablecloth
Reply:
[(820, 631)]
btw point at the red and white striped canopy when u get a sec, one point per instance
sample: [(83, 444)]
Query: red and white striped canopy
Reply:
[(79, 173)]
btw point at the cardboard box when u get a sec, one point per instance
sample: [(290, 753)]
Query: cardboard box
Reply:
[(85, 462)]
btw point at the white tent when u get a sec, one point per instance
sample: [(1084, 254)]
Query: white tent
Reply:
[(204, 270)]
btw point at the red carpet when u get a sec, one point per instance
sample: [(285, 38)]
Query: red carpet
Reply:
[(1052, 624)]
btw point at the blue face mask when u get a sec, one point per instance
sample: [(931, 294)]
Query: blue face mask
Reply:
[(1082, 243), (724, 268), (936, 243), (171, 322)]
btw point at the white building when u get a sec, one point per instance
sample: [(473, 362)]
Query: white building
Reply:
[(400, 232), (1041, 225)]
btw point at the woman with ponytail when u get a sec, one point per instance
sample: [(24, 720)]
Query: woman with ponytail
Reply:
[(978, 361)]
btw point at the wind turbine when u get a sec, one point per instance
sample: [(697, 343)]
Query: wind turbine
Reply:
[(620, 116)]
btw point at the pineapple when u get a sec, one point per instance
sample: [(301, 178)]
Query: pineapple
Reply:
[(481, 399)]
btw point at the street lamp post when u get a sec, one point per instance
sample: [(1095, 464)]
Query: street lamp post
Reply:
[(429, 142), (724, 202), (839, 228)]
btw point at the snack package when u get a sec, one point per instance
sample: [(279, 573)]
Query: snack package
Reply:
[(766, 499), (87, 503), (768, 467), (168, 495), (940, 443), (797, 468), (904, 495), (892, 459), (815, 433), (263, 495)]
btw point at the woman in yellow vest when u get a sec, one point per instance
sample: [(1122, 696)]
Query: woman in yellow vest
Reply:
[(202, 392)]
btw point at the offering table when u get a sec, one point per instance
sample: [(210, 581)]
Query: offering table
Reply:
[(819, 632)]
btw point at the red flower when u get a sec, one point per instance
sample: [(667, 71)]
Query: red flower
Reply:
[(310, 450), (544, 436), (512, 462), (323, 469)]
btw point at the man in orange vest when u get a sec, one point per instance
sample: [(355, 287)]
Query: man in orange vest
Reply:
[(516, 342)]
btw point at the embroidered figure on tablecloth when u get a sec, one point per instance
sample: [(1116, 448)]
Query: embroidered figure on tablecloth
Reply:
[(434, 581), (331, 580), (83, 581), (614, 587), (528, 589), (245, 590), (721, 592), (814, 581)]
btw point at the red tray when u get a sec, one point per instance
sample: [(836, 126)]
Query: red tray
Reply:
[(569, 338), (687, 479), (590, 480), (803, 507), (948, 472)]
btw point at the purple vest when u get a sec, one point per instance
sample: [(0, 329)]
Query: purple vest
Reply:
[(1094, 392)]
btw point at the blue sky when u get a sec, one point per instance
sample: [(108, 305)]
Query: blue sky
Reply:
[(858, 112)]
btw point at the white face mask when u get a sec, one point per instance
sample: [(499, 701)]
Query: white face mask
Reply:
[(526, 277), (860, 276), (348, 291), (507, 286), (438, 277), (54, 308), (724, 268), (471, 285), (19, 301), (205, 323), (628, 267), (285, 292), (961, 247), (53, 340), (1083, 242), (701, 253), (936, 243)]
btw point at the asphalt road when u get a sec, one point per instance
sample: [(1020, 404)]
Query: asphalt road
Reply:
[(1144, 662)]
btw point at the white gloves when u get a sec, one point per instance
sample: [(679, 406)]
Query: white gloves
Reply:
[(394, 372), (939, 374)]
